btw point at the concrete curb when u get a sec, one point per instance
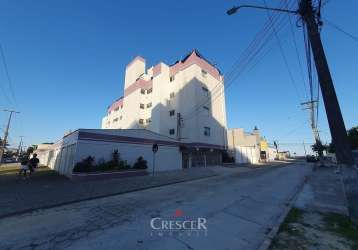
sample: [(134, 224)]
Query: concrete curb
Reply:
[(272, 233), (101, 196)]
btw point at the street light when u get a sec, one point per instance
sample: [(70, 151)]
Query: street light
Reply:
[(234, 9)]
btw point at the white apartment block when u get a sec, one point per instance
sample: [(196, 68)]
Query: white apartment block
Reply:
[(184, 101)]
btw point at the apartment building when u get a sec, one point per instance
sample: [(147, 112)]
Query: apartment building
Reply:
[(184, 101)]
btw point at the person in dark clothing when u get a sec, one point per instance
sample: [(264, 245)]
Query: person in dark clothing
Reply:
[(24, 166), (33, 162)]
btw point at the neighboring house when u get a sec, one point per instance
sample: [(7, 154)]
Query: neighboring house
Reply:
[(184, 101), (249, 147), (42, 152), (63, 155)]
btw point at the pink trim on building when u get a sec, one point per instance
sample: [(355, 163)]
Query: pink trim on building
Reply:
[(136, 59), (139, 84), (195, 59), (157, 69), (116, 104)]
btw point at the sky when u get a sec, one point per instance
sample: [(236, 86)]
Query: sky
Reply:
[(66, 60)]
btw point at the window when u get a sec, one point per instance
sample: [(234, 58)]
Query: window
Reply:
[(149, 105), (207, 110), (171, 95), (142, 91), (206, 91), (206, 131), (172, 78), (148, 120), (171, 112), (149, 91), (120, 118), (141, 121), (141, 106), (116, 109), (172, 131), (115, 120), (204, 73), (122, 106)]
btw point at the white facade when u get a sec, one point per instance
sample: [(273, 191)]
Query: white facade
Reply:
[(184, 101), (245, 147), (249, 147), (98, 143)]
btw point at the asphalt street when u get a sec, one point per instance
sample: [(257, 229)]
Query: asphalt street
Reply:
[(238, 209)]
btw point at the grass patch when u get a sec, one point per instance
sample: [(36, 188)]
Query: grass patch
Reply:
[(294, 216), (343, 226)]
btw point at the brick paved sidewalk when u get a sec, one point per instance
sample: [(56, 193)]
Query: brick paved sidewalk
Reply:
[(47, 189)]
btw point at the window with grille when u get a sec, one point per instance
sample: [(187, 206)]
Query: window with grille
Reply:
[(204, 73), (206, 131), (172, 131)]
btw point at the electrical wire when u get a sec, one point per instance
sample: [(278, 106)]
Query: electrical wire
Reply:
[(283, 55), (355, 38), (7, 73), (297, 53), (242, 63)]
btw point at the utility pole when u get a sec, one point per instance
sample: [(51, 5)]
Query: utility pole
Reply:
[(179, 125), (19, 150), (334, 115), (311, 105), (304, 147), (6, 133), (311, 18)]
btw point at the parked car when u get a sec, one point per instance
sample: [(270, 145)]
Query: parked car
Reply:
[(311, 158), (8, 160)]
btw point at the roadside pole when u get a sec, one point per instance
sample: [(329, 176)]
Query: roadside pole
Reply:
[(6, 133), (333, 111), (154, 150), (311, 18)]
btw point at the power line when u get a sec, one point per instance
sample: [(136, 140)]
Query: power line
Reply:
[(355, 38), (7, 72), (261, 39), (296, 50), (283, 54)]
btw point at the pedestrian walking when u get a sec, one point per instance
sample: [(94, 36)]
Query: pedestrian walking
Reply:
[(33, 163), (24, 166)]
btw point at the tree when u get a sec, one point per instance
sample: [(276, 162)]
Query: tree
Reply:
[(30, 150), (330, 148), (318, 147), (353, 137)]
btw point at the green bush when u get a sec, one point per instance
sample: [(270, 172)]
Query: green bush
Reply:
[(116, 163), (140, 163), (86, 165)]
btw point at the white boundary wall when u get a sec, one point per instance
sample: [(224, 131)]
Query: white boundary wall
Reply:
[(63, 155)]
